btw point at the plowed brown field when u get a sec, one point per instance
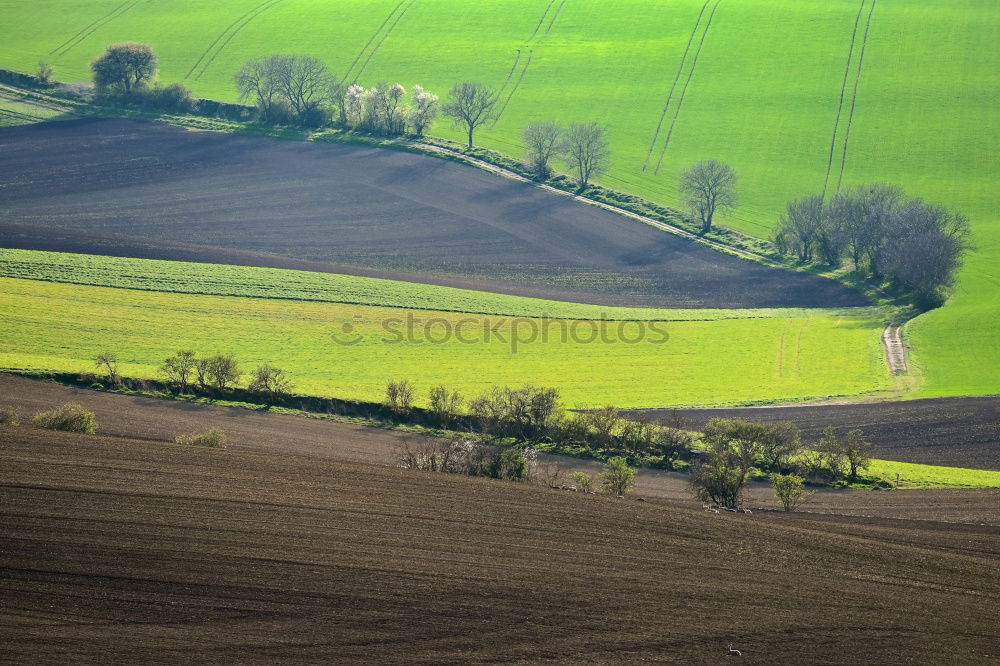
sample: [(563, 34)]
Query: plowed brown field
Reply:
[(143, 189), (127, 551)]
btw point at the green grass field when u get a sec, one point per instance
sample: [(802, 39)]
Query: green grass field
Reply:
[(225, 280), (61, 327), (762, 86)]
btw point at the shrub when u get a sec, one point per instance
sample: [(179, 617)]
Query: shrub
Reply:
[(582, 482), (44, 73), (399, 396), (9, 416), (214, 438), (617, 478), (174, 98), (270, 382), (70, 417), (789, 490), (444, 404)]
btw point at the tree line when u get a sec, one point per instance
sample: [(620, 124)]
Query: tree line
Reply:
[(889, 237), (216, 373)]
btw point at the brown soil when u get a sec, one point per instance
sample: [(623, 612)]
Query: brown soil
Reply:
[(143, 189), (139, 552), (956, 432), (158, 420)]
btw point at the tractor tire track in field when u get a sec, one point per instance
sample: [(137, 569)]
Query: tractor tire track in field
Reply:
[(541, 20), (687, 82), (854, 95), (254, 13), (524, 46), (89, 30), (385, 35), (843, 93), (673, 87), (219, 37), (239, 24), (524, 70), (371, 39), (555, 16)]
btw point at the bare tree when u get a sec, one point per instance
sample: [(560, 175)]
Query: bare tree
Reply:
[(585, 150), (257, 80), (707, 187), (471, 104), (444, 404), (542, 142), (800, 226), (44, 73), (123, 68), (270, 381), (303, 81), (109, 362), (399, 396), (338, 95), (223, 371), (857, 452), (179, 368), (734, 446)]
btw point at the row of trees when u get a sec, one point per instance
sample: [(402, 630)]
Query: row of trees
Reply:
[(886, 235), (583, 148), (735, 448), (534, 414), (219, 372)]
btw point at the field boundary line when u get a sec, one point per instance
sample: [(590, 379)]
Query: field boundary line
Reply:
[(97, 25), (680, 101), (385, 36), (239, 28), (87, 27), (677, 78), (843, 92), (486, 166), (854, 96)]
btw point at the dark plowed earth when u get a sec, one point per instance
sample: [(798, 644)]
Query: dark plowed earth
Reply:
[(161, 187), (958, 432), (157, 420), (158, 552)]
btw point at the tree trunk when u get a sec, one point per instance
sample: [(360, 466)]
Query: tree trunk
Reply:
[(470, 136)]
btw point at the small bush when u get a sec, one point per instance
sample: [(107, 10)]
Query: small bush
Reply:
[(44, 73), (582, 482), (789, 490), (9, 416), (70, 417), (617, 478), (214, 438), (174, 98), (399, 396)]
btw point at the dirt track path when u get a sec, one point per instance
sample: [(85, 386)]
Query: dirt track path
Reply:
[(895, 350)]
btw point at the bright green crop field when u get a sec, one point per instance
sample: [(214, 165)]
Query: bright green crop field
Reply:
[(224, 280), (792, 93), (351, 351)]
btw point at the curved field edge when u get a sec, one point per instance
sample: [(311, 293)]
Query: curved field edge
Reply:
[(256, 282), (925, 106), (351, 351), (381, 438)]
